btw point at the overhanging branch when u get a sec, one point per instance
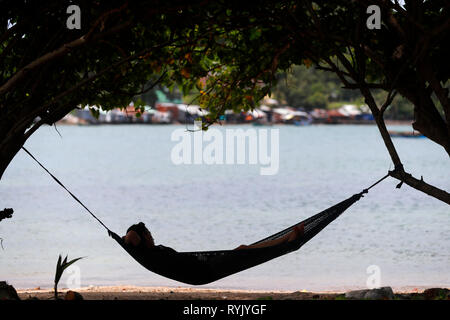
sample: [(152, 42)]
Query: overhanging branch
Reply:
[(64, 49), (421, 185)]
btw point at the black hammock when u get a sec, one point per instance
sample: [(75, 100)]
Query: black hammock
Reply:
[(202, 267)]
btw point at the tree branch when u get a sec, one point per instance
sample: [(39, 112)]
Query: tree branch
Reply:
[(43, 59), (19, 75), (390, 97), (421, 185), (19, 127)]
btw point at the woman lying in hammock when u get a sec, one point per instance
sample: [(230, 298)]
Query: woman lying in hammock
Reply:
[(139, 236)]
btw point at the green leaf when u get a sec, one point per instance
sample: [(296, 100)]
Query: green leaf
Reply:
[(59, 270), (71, 262), (255, 34)]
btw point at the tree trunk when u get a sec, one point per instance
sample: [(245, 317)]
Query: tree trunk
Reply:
[(13, 126), (9, 146), (16, 128), (428, 121)]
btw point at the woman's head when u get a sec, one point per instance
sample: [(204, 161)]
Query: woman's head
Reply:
[(143, 232), (139, 228)]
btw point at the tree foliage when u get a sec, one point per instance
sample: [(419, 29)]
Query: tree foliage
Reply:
[(309, 88), (230, 51)]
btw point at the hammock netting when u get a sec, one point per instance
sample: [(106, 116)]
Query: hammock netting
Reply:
[(202, 267)]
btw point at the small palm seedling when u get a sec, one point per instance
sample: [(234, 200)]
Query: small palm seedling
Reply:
[(60, 267)]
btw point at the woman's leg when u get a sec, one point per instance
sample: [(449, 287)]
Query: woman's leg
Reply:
[(296, 232)]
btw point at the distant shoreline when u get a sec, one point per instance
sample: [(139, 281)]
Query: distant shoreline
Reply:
[(358, 123)]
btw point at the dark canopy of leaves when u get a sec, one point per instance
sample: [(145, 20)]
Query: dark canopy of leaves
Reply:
[(229, 50)]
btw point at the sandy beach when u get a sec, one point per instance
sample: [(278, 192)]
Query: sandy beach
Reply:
[(169, 293), (181, 293)]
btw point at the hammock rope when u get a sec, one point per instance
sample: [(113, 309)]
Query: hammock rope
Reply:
[(64, 187), (202, 267)]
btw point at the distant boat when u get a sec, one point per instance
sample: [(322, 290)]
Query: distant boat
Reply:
[(261, 124), (298, 118), (405, 134)]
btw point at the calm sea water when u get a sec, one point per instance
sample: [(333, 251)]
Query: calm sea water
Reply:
[(124, 174)]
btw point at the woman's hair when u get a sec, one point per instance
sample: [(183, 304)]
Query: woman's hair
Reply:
[(138, 228)]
